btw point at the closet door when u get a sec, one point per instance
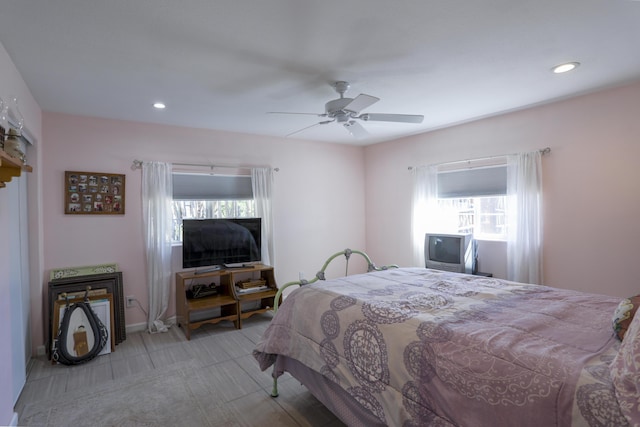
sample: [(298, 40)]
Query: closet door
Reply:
[(18, 282)]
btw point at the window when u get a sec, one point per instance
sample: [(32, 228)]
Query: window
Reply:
[(472, 198), (483, 216), (210, 196)]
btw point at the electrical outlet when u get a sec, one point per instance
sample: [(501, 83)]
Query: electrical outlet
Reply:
[(131, 301)]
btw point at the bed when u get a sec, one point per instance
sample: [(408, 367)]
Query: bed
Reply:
[(420, 347)]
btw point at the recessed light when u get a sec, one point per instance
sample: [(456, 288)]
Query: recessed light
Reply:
[(563, 68), (159, 105)]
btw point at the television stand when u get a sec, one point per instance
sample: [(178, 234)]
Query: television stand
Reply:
[(227, 304)]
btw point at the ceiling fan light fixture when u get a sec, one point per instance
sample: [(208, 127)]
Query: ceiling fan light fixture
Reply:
[(355, 129), (344, 110), (566, 67)]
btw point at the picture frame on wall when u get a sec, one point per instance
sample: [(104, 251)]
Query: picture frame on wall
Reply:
[(93, 193)]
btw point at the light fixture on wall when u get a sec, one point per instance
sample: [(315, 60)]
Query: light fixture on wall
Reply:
[(3, 111), (566, 67), (18, 115), (10, 116), (11, 125)]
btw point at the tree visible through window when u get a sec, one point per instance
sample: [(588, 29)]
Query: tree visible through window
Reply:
[(201, 209), (483, 216)]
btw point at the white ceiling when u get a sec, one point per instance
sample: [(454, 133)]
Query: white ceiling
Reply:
[(224, 64)]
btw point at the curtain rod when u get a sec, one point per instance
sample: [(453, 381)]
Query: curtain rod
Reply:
[(543, 151), (137, 164)]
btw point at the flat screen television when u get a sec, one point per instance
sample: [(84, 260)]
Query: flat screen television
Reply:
[(221, 242), (450, 252)]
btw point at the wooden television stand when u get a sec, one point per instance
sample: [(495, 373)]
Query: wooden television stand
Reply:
[(228, 302)]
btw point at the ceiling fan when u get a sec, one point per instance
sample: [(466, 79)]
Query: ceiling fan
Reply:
[(347, 111)]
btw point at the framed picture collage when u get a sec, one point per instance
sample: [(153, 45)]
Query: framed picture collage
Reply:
[(94, 193)]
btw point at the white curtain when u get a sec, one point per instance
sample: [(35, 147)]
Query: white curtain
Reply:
[(157, 194), (524, 213), (424, 208), (262, 184)]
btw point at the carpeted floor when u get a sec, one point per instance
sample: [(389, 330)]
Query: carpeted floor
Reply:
[(165, 380)]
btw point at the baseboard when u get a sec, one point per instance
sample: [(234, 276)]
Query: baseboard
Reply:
[(136, 327), (141, 327), (130, 329), (40, 350)]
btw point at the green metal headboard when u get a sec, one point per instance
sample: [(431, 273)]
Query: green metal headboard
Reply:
[(321, 276)]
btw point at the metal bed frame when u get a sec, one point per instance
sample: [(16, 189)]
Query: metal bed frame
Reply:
[(320, 275)]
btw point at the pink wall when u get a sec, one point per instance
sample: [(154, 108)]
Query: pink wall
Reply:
[(591, 185), (318, 201)]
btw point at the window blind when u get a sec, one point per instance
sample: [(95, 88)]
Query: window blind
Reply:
[(487, 181), (211, 187)]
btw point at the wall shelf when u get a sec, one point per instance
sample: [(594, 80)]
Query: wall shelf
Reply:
[(11, 167)]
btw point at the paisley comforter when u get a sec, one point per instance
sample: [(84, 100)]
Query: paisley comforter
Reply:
[(420, 347)]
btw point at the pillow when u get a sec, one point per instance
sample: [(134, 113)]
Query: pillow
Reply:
[(623, 315), (625, 373)]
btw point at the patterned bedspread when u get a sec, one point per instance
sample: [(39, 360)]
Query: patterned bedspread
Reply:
[(422, 347)]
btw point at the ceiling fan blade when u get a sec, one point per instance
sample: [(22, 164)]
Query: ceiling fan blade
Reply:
[(309, 127), (356, 130), (401, 118), (306, 114), (361, 102)]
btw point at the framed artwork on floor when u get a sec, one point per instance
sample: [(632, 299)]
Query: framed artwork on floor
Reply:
[(93, 193), (100, 285)]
